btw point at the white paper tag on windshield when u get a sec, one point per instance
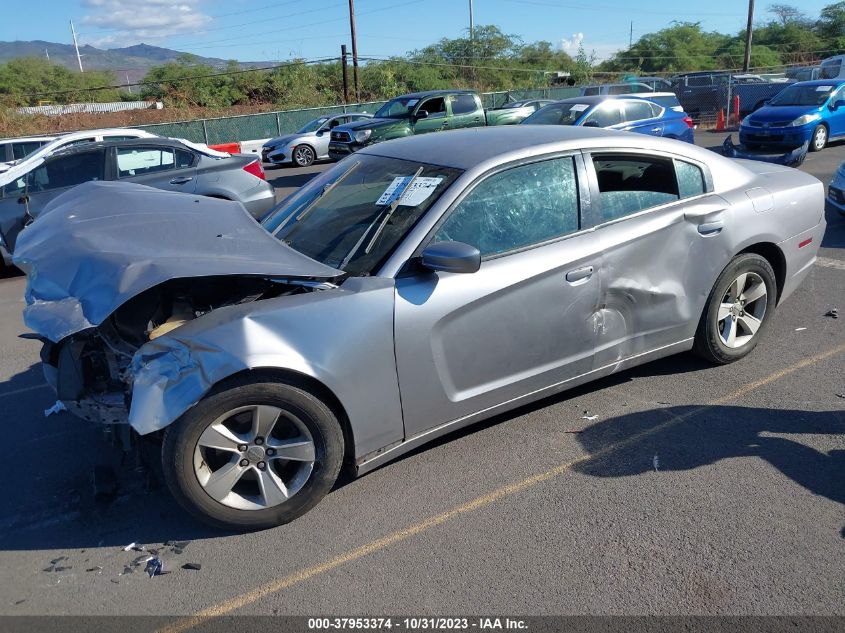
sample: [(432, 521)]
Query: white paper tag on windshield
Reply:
[(824, 88), (579, 107), (413, 196)]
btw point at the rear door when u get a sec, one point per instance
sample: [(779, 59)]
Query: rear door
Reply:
[(641, 117), (466, 111), (162, 167), (663, 237)]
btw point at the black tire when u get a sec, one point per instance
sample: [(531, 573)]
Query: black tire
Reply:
[(303, 156), (815, 145), (180, 441), (708, 341)]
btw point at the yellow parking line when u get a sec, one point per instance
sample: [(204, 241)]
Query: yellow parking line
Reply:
[(295, 578)]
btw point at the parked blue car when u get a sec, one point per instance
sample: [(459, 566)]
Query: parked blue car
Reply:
[(806, 112), (617, 112)]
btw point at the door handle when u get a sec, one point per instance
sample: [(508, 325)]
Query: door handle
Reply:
[(655, 130), (181, 180), (579, 274), (711, 228)]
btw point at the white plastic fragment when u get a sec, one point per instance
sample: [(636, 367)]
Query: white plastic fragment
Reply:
[(589, 417), (656, 462), (800, 329), (56, 408)]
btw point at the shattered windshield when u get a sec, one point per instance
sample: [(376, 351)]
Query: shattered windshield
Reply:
[(557, 114), (814, 95), (313, 126), (396, 108), (355, 214)]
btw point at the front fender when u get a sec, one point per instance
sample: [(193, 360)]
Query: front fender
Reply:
[(341, 337)]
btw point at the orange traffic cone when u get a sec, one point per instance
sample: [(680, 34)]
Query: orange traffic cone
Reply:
[(720, 121)]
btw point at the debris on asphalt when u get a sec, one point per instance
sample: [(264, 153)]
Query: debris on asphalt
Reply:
[(127, 569), (134, 547), (177, 547), (589, 417), (840, 395), (97, 568), (659, 402), (800, 329), (56, 408), (192, 566), (656, 462), (833, 313), (154, 566), (54, 565), (115, 581), (573, 430), (20, 601)]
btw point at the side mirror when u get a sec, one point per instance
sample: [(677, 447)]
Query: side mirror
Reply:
[(23, 199), (422, 114), (839, 103), (451, 257), (591, 124)]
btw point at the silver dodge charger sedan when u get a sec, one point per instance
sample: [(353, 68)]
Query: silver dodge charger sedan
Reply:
[(414, 288)]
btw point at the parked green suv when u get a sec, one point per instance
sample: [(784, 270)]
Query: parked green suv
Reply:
[(411, 114)]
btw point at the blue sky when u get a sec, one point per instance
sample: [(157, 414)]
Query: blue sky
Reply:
[(261, 30)]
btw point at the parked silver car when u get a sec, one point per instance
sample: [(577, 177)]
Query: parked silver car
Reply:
[(158, 162), (308, 144), (416, 287)]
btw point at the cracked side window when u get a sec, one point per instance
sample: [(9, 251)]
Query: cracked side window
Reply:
[(519, 207)]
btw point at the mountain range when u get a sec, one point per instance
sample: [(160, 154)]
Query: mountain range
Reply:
[(129, 64)]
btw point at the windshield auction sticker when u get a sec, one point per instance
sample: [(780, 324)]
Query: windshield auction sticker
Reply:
[(413, 196)]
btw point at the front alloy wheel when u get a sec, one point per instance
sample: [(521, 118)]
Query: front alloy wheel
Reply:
[(254, 453), (303, 155), (819, 140)]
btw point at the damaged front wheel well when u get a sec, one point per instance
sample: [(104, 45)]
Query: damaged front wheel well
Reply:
[(307, 383), (772, 254)]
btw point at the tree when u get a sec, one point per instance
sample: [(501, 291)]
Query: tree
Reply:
[(30, 80), (787, 14), (831, 26)]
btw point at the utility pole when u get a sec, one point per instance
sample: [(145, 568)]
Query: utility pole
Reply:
[(343, 55), (746, 62), (354, 50), (47, 53), (631, 36), (471, 22), (76, 46), (128, 85)]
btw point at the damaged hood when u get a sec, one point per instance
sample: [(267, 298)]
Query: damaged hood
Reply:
[(101, 243)]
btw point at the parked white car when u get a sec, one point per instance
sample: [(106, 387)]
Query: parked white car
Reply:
[(14, 149), (13, 169)]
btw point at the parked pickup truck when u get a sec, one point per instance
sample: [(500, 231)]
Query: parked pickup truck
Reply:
[(416, 113)]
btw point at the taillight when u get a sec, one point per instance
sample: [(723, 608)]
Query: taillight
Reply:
[(255, 169), (688, 121)]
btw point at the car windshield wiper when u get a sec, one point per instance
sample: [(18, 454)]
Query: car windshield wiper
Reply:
[(311, 205), (387, 215)]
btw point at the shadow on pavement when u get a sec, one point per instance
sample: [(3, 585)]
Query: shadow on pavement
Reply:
[(694, 436)]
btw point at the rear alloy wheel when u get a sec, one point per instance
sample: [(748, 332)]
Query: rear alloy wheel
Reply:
[(303, 155), (737, 310), (253, 455), (819, 139)]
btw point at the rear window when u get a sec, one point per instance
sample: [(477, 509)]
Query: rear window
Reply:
[(463, 104), (831, 69), (668, 101), (23, 149)]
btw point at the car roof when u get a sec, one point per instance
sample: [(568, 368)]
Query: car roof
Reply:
[(432, 93), (25, 139), (820, 82), (468, 147), (157, 141)]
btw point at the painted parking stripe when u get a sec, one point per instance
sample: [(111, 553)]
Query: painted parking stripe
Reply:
[(275, 586)]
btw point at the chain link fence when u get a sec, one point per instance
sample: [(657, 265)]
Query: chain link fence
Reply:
[(249, 127)]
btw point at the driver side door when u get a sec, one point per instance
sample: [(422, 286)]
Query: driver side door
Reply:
[(524, 322), (836, 118), (436, 119)]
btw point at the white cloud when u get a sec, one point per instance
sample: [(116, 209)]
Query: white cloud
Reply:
[(570, 45), (126, 22)]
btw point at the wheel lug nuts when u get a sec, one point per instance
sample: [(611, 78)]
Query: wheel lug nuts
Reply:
[(259, 441), (244, 462), (271, 451), (261, 465), (242, 447)]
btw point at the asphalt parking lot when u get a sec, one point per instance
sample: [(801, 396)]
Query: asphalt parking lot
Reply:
[(696, 489)]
